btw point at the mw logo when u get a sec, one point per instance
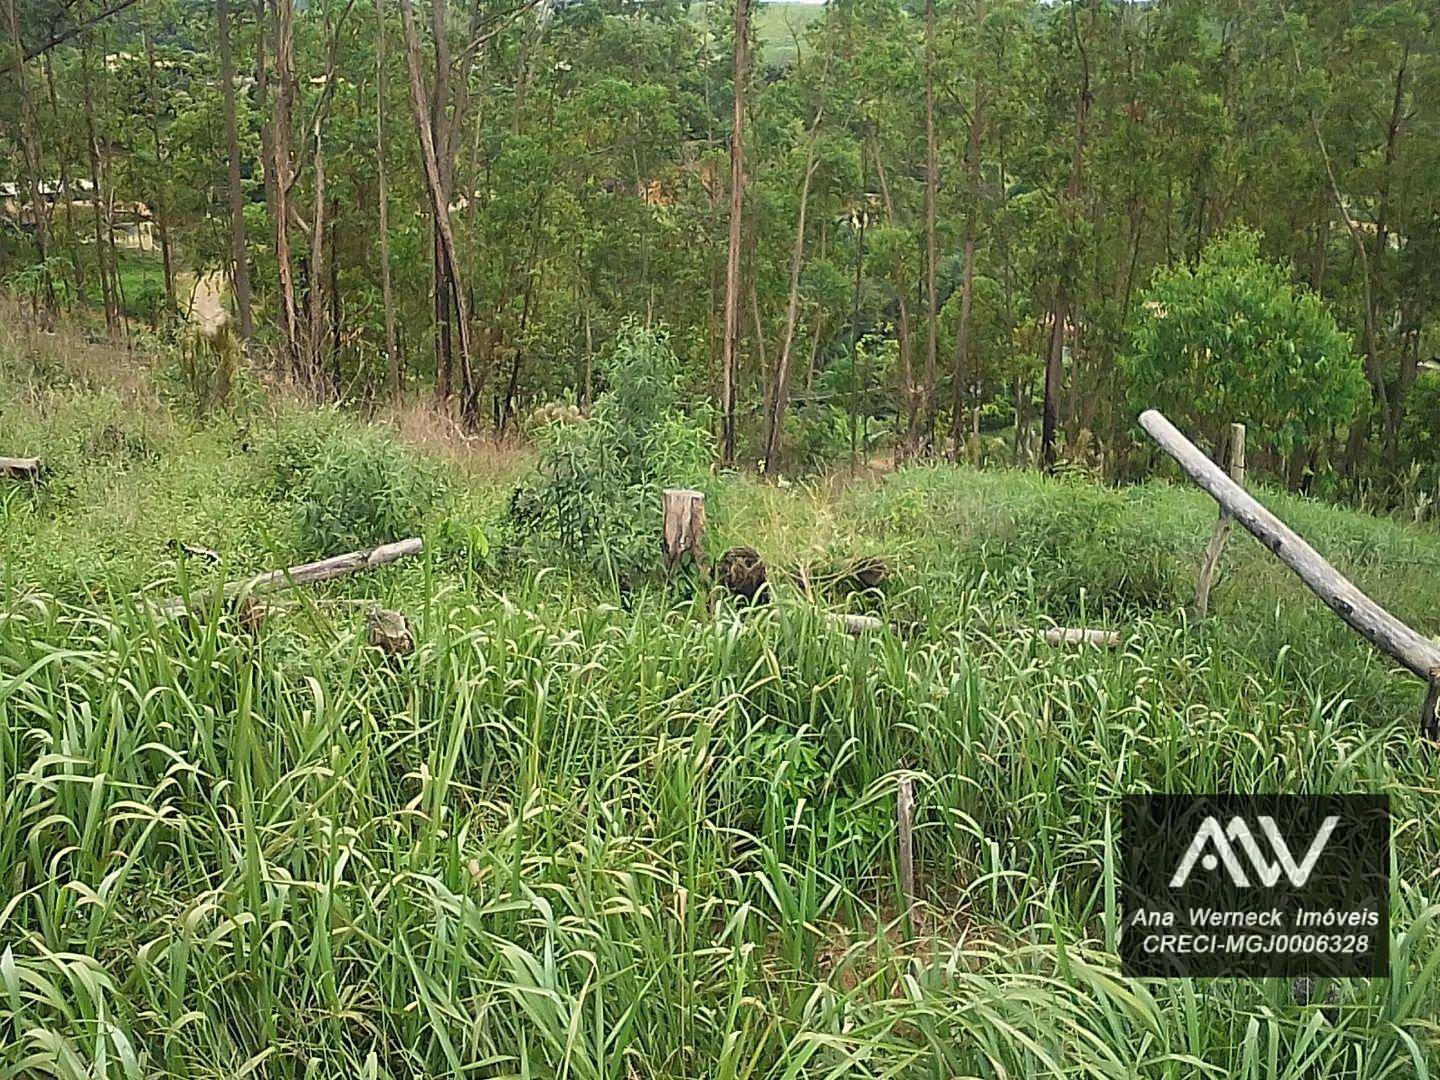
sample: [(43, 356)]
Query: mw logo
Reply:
[(1237, 834)]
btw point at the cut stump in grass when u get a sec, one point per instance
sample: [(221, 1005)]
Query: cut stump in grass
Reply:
[(389, 631), (1417, 653), (310, 573), (20, 468), (742, 572), (684, 528)]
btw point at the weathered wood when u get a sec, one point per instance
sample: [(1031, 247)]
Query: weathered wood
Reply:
[(742, 572), (389, 631), (1371, 621), (310, 573), (684, 528), (20, 468), (857, 624), (905, 829), (1430, 710), (1074, 635), (1210, 563)]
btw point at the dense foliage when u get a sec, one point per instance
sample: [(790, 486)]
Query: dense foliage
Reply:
[(1233, 337), (567, 837), (596, 492), (581, 168)]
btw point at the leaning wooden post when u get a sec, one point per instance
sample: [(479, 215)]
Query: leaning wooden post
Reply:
[(1235, 460), (684, 528), (1418, 654)]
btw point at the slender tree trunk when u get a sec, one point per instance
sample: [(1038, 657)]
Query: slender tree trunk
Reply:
[(1064, 287), (315, 282), (239, 259), (907, 364), (283, 176), (162, 201), (439, 201), (926, 439), (30, 149), (962, 364), (729, 346), (780, 384), (98, 197), (67, 182), (1382, 214), (392, 354)]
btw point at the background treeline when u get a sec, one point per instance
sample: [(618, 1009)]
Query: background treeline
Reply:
[(948, 219)]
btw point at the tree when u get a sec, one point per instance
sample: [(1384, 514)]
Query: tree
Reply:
[(1234, 340), (728, 359)]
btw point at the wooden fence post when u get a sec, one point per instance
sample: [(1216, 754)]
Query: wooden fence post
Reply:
[(1210, 563), (905, 824)]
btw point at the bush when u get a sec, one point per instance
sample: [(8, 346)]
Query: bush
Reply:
[(594, 498), (1234, 340), (365, 490), (351, 487)]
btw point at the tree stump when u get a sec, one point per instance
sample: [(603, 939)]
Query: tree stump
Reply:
[(389, 631), (742, 572), (684, 530), (20, 468)]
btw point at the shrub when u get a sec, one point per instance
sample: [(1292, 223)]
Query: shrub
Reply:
[(365, 490), (1234, 340), (351, 487), (595, 495)]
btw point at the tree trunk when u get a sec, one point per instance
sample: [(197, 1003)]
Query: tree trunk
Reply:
[(162, 202), (239, 259), (30, 148), (780, 385), (926, 439), (98, 197), (1064, 287), (728, 358), (450, 283), (392, 355), (283, 176), (967, 284), (907, 364)]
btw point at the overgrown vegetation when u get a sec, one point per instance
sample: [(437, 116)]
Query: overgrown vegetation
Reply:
[(595, 493), (567, 838)]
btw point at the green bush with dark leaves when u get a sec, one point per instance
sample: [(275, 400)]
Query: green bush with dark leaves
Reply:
[(594, 498), (1233, 339)]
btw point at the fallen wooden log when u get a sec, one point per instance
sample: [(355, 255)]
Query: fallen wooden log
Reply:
[(309, 573), (20, 468), (1416, 653), (1075, 635)]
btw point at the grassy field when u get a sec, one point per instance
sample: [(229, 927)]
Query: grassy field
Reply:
[(576, 837)]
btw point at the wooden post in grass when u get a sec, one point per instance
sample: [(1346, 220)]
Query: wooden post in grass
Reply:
[(684, 528), (1210, 563), (1418, 654), (905, 825), (20, 468)]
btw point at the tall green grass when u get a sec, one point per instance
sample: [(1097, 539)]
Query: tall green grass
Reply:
[(567, 838)]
